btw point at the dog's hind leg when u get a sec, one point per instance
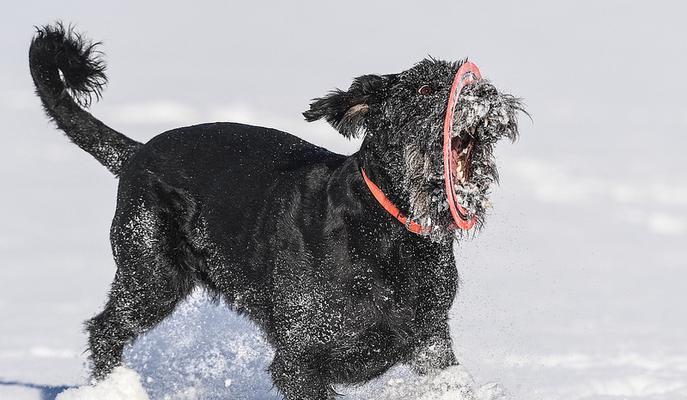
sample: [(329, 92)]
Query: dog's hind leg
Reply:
[(153, 276)]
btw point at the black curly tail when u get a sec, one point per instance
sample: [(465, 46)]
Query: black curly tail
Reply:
[(68, 73)]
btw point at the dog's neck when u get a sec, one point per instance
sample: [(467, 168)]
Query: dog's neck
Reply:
[(389, 183), (349, 192)]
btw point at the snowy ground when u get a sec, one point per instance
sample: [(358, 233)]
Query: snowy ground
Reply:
[(576, 289)]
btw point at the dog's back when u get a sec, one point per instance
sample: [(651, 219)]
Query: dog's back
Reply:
[(229, 157)]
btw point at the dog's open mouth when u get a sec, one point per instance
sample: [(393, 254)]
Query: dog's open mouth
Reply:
[(450, 172), (458, 148), (461, 152)]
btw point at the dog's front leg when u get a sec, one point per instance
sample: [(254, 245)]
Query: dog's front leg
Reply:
[(434, 353), (299, 378)]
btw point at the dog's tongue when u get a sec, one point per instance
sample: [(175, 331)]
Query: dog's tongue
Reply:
[(467, 73)]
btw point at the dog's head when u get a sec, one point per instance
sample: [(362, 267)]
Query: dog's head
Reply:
[(409, 139)]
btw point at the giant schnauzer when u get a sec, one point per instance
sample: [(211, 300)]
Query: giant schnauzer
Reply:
[(345, 262)]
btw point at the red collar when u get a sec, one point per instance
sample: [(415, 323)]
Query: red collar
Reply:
[(390, 207)]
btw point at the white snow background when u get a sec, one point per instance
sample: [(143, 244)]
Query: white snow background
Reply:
[(576, 289)]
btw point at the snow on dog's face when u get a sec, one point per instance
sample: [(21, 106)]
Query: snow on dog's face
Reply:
[(429, 139)]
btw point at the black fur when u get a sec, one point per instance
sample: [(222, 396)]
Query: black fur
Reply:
[(286, 232)]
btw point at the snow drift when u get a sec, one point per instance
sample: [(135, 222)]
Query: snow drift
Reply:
[(122, 384)]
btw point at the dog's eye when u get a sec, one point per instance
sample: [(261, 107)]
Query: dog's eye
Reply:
[(425, 90)]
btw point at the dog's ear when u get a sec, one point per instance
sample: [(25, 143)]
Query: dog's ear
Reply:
[(346, 111)]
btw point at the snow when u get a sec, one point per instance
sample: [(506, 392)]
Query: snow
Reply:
[(450, 384), (454, 383), (122, 384)]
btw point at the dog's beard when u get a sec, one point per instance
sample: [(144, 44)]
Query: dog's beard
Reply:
[(483, 117)]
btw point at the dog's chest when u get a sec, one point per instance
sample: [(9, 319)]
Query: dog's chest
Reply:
[(406, 296), (386, 317), (413, 298)]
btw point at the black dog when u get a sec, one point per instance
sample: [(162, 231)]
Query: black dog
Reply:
[(294, 236)]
